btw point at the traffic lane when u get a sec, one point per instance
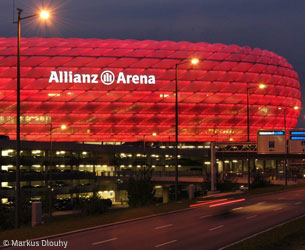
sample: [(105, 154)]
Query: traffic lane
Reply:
[(134, 227), (231, 228), (258, 222), (287, 195)]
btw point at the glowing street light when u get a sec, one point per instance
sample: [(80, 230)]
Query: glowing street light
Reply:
[(43, 15), (193, 61), (63, 127)]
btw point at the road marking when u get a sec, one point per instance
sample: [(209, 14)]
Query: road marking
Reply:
[(250, 217), (169, 225), (204, 216), (298, 203), (104, 241), (215, 228), (260, 203), (166, 243), (238, 208), (276, 209)]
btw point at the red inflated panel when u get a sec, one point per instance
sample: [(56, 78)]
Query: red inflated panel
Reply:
[(136, 96)]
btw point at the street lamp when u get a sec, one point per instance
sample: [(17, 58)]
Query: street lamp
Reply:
[(192, 61), (42, 15), (50, 185), (286, 155), (260, 86)]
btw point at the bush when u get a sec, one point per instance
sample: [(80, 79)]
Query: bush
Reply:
[(7, 217), (93, 205), (259, 180), (226, 182)]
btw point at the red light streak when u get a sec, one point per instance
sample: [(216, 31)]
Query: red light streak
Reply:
[(228, 202), (208, 202)]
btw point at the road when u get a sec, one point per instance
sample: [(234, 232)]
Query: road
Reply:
[(203, 227)]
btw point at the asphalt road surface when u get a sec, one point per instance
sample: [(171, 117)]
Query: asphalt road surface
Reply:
[(203, 227)]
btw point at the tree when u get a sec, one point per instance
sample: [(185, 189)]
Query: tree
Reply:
[(140, 188), (259, 180)]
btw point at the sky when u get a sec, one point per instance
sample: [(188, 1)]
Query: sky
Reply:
[(275, 25)]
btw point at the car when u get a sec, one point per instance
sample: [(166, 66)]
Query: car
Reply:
[(63, 204), (60, 184), (243, 188)]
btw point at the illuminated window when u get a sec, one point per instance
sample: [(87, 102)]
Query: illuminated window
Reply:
[(8, 152)]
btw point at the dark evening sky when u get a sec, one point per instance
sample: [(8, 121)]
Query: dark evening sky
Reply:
[(275, 25)]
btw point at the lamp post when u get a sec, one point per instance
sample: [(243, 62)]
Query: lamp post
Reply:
[(50, 184), (193, 61), (286, 149), (144, 142), (261, 86), (286, 155), (42, 15)]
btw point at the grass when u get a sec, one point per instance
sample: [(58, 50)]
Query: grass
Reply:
[(289, 236), (61, 224)]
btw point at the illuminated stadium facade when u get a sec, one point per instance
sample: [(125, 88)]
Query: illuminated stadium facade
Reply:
[(123, 90)]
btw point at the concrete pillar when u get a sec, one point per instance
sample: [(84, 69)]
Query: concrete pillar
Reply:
[(213, 167), (191, 191), (117, 196), (165, 194), (36, 213)]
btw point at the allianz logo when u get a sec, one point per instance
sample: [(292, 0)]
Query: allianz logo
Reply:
[(107, 77)]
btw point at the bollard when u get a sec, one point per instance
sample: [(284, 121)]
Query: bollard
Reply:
[(36, 213), (191, 191), (165, 194)]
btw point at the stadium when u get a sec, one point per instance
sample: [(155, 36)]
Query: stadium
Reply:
[(97, 90)]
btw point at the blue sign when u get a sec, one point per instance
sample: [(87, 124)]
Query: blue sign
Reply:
[(297, 132), (297, 137)]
